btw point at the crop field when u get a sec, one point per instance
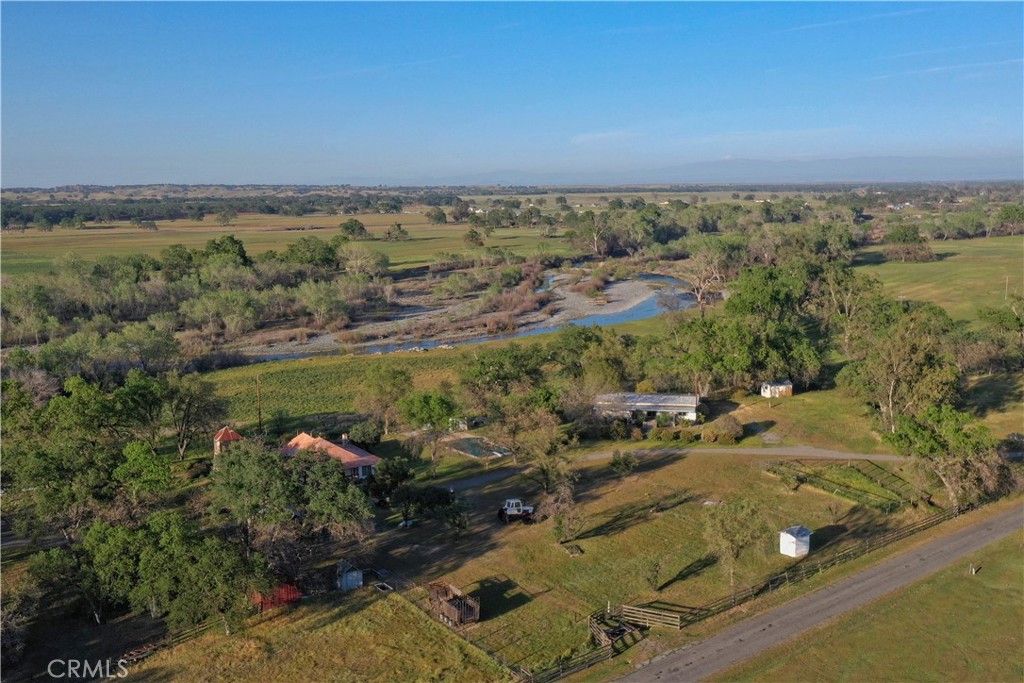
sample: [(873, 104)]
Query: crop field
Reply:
[(963, 628), (34, 251), (967, 274), (641, 542), (323, 384), (340, 638)]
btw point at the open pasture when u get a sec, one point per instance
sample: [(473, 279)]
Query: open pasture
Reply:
[(964, 628), (342, 638), (966, 275), (34, 251), (641, 542)]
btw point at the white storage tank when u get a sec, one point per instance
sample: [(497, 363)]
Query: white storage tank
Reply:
[(795, 541)]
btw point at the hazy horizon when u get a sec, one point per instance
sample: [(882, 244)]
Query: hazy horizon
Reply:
[(537, 93)]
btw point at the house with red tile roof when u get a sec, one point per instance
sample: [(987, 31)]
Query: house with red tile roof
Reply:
[(358, 464)]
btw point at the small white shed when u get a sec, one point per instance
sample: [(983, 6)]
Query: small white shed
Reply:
[(777, 389), (349, 576), (795, 541)]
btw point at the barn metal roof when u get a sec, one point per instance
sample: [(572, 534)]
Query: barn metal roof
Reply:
[(657, 402)]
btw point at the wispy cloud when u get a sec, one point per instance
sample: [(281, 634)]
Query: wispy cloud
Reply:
[(603, 137), (943, 50), (854, 20), (944, 69)]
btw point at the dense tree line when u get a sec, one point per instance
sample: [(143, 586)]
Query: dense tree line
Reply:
[(18, 214), (218, 291)]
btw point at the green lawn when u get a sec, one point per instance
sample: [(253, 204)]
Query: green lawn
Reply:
[(33, 251), (967, 275), (356, 637), (950, 627)]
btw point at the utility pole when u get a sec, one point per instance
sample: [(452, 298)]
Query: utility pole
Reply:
[(259, 404)]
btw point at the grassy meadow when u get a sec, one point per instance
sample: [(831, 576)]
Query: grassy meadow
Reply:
[(350, 638), (34, 251), (967, 274), (641, 542), (963, 628)]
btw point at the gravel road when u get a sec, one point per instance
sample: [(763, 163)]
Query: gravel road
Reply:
[(701, 660)]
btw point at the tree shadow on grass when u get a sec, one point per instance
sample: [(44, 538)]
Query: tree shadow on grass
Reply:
[(994, 393), (870, 258), (863, 522), (589, 486), (692, 569), (623, 517), (498, 595), (827, 535)]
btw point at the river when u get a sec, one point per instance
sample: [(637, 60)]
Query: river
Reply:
[(671, 295)]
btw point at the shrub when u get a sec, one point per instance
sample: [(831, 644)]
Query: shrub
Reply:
[(727, 429), (198, 469), (739, 395), (709, 434), (636, 434), (686, 435), (623, 463), (366, 434), (662, 419), (618, 430), (663, 434)]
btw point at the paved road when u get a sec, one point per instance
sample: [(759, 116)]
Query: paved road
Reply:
[(700, 660)]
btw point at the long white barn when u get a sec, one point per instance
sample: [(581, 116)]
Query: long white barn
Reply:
[(679, 406)]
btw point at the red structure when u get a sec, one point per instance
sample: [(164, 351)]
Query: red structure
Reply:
[(285, 594), (223, 438)]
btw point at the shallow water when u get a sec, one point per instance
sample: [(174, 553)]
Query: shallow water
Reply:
[(672, 295)]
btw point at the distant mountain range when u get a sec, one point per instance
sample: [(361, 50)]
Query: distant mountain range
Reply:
[(857, 169)]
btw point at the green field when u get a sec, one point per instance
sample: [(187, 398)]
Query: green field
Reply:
[(641, 540), (950, 627), (34, 251), (966, 276), (343, 638)]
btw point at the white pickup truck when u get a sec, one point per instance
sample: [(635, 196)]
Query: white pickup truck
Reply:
[(514, 509)]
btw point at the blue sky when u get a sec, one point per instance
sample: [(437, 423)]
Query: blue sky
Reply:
[(436, 92)]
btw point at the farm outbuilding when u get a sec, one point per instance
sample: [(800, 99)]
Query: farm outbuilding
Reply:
[(282, 595), (777, 389), (223, 439), (795, 541), (649, 406), (452, 606), (350, 577)]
